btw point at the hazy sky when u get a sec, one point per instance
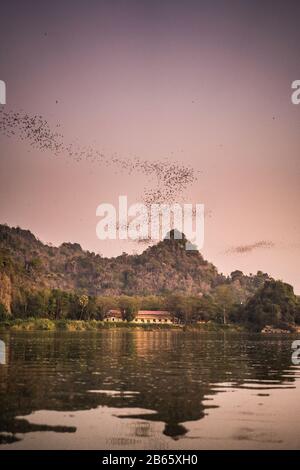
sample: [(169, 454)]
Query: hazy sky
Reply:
[(205, 83)]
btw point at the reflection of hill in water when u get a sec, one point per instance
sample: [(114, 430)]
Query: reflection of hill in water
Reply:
[(169, 374)]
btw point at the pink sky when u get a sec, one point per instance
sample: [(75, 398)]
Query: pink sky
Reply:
[(209, 87)]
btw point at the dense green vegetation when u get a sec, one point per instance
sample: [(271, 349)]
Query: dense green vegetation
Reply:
[(3, 312), (274, 304), (56, 304)]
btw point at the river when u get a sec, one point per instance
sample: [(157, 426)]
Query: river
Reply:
[(137, 389)]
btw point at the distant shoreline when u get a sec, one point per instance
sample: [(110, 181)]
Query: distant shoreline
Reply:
[(44, 324)]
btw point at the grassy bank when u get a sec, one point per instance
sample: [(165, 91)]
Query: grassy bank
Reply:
[(214, 327), (44, 324)]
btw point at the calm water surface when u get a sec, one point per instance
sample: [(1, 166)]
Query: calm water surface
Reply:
[(130, 389)]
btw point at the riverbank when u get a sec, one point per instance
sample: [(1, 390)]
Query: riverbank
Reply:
[(44, 324)]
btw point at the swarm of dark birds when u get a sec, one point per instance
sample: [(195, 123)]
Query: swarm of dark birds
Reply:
[(242, 249), (167, 180)]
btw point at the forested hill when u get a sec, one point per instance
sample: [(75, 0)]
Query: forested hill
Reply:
[(27, 263)]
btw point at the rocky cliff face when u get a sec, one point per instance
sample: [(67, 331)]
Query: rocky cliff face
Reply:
[(163, 268)]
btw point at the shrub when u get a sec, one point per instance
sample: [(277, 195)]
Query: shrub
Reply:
[(44, 324), (3, 313)]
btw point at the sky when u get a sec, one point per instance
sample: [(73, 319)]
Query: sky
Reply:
[(201, 84)]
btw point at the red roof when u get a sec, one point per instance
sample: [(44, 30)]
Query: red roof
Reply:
[(153, 312), (114, 313)]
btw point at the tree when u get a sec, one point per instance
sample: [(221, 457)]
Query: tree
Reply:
[(3, 312), (237, 275), (129, 307), (104, 305), (204, 308), (152, 302), (58, 304), (274, 304), (225, 298), (37, 303), (33, 265), (83, 302), (297, 312), (181, 307)]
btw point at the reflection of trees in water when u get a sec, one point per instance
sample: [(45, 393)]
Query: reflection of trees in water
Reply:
[(172, 372), (21, 426)]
